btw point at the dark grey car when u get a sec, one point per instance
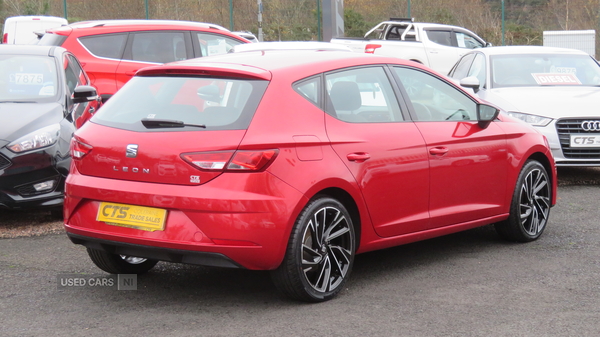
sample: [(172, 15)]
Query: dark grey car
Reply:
[(43, 92)]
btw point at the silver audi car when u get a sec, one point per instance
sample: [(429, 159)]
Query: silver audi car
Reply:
[(556, 90)]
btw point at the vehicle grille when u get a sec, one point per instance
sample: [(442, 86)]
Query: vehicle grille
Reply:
[(4, 162), (567, 127)]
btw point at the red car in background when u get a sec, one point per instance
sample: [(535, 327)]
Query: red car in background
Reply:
[(111, 51), (295, 161)]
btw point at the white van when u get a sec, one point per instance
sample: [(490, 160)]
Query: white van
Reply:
[(22, 29)]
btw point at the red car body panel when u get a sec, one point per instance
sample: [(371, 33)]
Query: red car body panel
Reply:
[(110, 74), (438, 178)]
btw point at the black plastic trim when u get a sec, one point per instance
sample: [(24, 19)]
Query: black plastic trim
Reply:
[(156, 253)]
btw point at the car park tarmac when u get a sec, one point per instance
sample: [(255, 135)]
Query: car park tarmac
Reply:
[(466, 284)]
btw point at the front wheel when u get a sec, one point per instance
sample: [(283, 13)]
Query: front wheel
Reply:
[(530, 206), (320, 253), (120, 264)]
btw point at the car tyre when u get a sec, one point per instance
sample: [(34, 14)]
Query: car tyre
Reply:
[(320, 252), (120, 264), (530, 206)]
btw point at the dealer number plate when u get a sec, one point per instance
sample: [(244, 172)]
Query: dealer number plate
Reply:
[(585, 141), (139, 217)]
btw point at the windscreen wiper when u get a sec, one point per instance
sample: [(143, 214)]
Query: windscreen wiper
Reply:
[(151, 123)]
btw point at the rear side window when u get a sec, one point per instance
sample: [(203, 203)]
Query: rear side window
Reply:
[(105, 45), (218, 104)]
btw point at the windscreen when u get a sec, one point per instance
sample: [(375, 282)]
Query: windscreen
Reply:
[(28, 78), (543, 70), (198, 103)]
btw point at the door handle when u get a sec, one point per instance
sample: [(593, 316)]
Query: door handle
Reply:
[(438, 151), (358, 157)]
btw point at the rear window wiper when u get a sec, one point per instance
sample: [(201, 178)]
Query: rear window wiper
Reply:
[(151, 123)]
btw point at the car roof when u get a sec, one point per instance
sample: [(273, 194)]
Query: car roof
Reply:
[(143, 23), (262, 64), (509, 50), (25, 49), (290, 45)]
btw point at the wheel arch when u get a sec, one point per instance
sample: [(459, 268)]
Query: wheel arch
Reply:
[(348, 201), (550, 169)]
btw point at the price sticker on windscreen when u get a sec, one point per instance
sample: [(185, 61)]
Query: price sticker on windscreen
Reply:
[(556, 79)]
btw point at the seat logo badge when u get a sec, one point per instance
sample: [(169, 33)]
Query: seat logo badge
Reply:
[(590, 125), (132, 150)]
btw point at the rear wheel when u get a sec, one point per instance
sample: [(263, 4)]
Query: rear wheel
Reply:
[(320, 253), (530, 205), (120, 264)]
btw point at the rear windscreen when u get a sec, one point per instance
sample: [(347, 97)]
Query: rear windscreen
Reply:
[(214, 103), (50, 39)]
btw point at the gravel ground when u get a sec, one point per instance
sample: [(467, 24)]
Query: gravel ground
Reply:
[(28, 223), (39, 222)]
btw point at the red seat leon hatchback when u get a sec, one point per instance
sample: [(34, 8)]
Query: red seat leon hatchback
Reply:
[(294, 162)]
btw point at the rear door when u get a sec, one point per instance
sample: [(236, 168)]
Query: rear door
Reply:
[(150, 48), (468, 164), (369, 131), (107, 50)]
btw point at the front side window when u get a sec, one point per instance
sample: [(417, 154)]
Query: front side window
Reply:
[(478, 69), (434, 99), (543, 70), (74, 74), (28, 78), (362, 95), (105, 45), (215, 44), (214, 103), (158, 47), (462, 67), (467, 41)]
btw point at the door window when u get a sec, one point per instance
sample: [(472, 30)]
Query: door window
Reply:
[(212, 44), (434, 99), (74, 73), (158, 47), (443, 37), (462, 67), (362, 95), (467, 41)]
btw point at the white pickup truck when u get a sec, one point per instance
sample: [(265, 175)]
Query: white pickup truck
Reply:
[(434, 45)]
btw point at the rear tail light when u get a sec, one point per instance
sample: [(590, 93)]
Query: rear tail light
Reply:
[(370, 48), (79, 149), (246, 161)]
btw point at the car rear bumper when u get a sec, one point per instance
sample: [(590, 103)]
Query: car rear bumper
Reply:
[(239, 227)]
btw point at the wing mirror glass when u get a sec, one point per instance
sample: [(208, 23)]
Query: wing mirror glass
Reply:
[(486, 114)]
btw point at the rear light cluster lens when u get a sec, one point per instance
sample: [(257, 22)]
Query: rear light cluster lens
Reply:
[(79, 149), (370, 48), (247, 161)]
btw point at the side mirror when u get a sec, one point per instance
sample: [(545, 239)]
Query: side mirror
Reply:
[(486, 114), (470, 82), (84, 93), (489, 44)]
